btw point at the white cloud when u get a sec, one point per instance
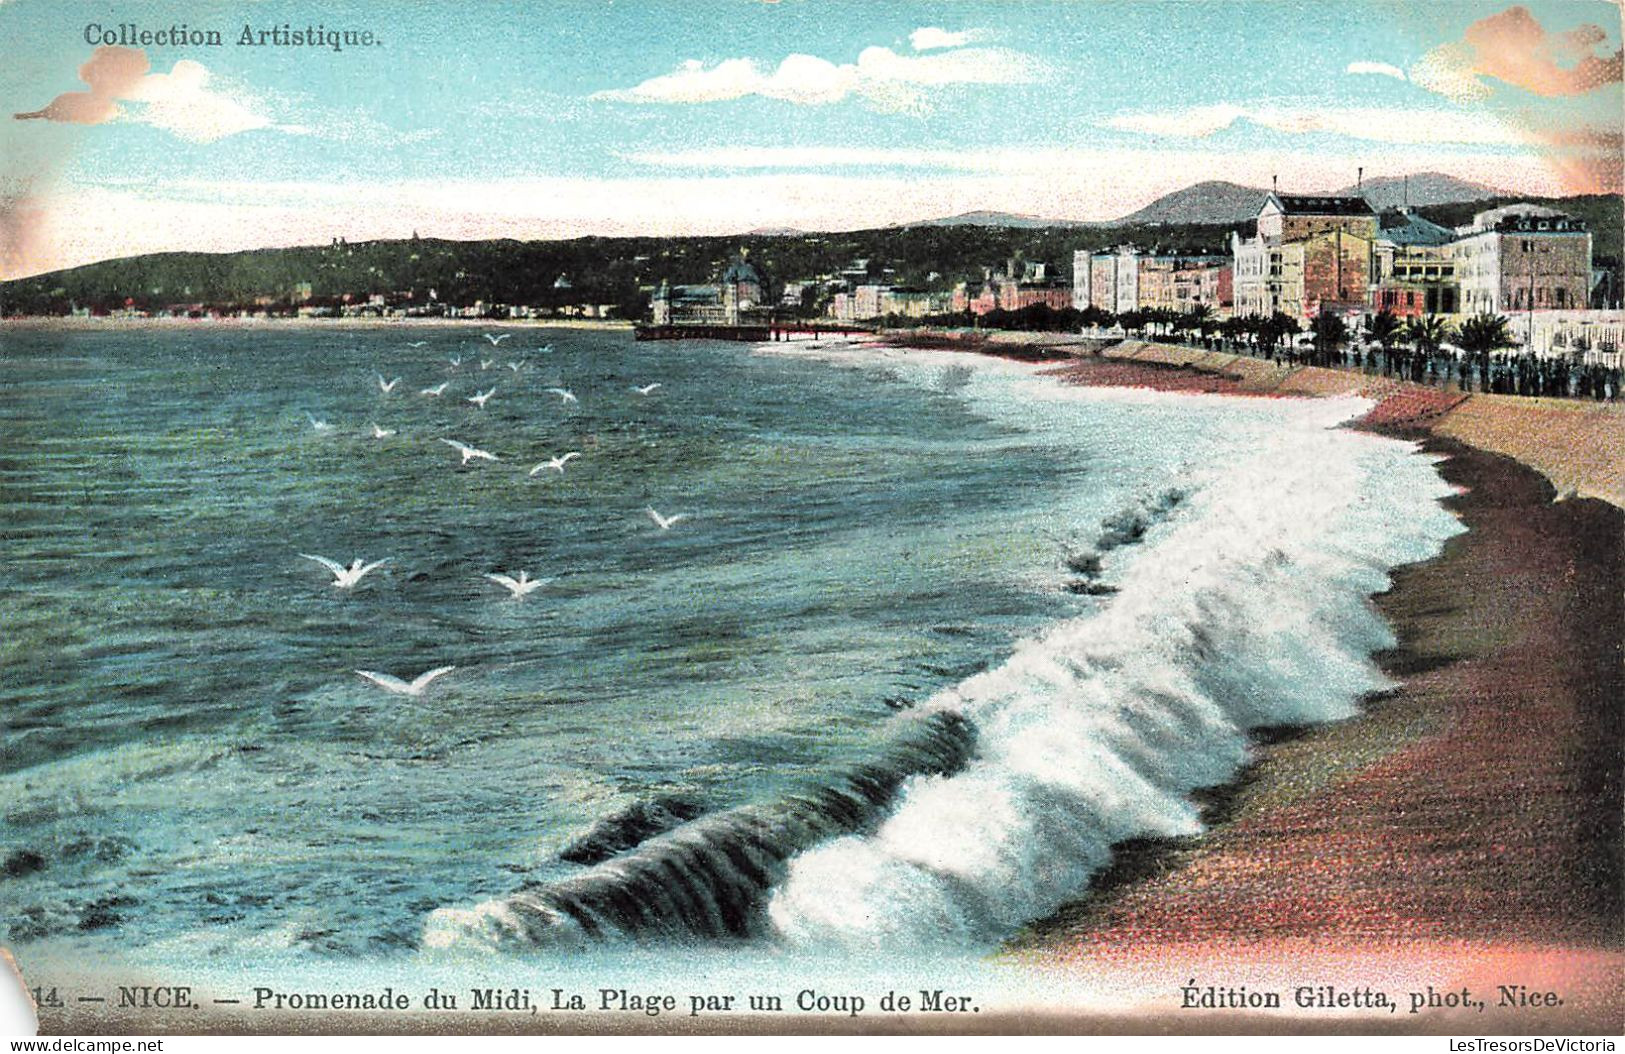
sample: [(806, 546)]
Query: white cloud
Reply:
[(1198, 122), (1448, 70), (881, 77), (183, 103), (1374, 124), (1380, 69), (928, 37)]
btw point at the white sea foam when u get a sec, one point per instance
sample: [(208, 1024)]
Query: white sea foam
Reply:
[(1248, 608)]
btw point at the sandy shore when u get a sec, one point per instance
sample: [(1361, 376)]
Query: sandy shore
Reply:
[(1577, 445), (1469, 825)]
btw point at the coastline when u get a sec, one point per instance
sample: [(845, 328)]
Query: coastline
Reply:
[(1470, 816), (1578, 446)]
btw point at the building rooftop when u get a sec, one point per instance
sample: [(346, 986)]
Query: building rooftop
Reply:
[(1411, 229), (1522, 217), (741, 270), (1314, 205)]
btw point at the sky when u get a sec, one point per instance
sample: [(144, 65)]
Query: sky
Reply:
[(488, 119)]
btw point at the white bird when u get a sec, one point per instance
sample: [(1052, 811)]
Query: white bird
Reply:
[(517, 366), (479, 399), (665, 522), (346, 577), (565, 394), (381, 433), (557, 462), (545, 349), (485, 364), (387, 386), (469, 453), (497, 339), (520, 586), (320, 426), (400, 687), (417, 343), (439, 389), (647, 388), (455, 360)]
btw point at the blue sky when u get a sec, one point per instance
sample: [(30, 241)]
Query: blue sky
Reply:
[(547, 120)]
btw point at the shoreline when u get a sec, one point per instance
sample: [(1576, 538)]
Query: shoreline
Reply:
[(1414, 826), (1578, 446)]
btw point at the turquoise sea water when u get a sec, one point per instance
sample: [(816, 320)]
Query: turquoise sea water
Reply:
[(855, 697)]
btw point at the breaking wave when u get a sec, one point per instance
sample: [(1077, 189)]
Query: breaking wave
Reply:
[(1238, 600), (709, 878)]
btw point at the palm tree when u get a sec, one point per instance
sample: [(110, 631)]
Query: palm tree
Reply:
[(1331, 333), (1279, 327), (1200, 318), (1234, 328), (1427, 333), (1481, 335), (1383, 328)]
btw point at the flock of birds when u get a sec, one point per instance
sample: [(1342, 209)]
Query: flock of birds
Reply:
[(520, 585)]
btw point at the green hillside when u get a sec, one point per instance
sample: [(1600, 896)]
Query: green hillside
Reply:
[(619, 271)]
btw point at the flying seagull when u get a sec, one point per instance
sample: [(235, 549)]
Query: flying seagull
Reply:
[(417, 343), (665, 522), (485, 364), (498, 339), (479, 399), (320, 426), (565, 394), (545, 349), (455, 360), (438, 389), (345, 577), (557, 462), (387, 386), (647, 388), (400, 687), (517, 366), (381, 433), (520, 586), (469, 452)]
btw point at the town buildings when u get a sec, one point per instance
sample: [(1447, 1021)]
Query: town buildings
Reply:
[(1307, 254), (737, 297), (1413, 268), (1021, 284), (1523, 258)]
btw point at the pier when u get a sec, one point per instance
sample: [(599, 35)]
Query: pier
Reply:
[(755, 334)]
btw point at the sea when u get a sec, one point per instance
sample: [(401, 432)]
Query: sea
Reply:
[(933, 632)]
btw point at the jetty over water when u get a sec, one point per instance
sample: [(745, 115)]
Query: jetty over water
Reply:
[(760, 333)]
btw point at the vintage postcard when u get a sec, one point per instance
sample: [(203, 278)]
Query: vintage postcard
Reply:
[(1040, 516)]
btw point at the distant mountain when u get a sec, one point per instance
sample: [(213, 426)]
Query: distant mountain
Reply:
[(1212, 202), (995, 219), (1426, 188), (774, 232), (1220, 202)]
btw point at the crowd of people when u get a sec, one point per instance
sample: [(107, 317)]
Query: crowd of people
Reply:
[(1479, 355)]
